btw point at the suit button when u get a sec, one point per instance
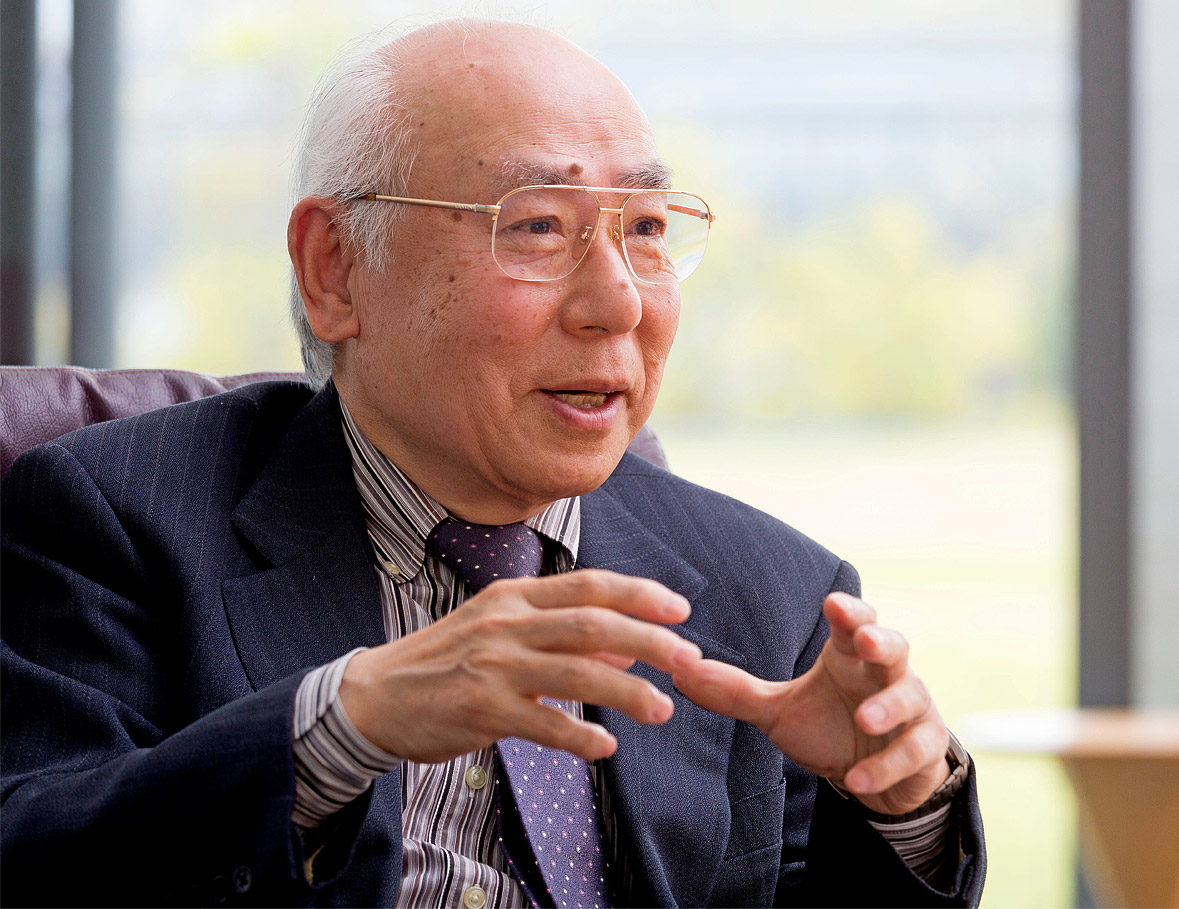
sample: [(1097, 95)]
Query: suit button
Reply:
[(474, 898), (242, 879), (475, 777), (220, 889)]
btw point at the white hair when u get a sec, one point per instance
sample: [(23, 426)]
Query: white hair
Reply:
[(355, 140)]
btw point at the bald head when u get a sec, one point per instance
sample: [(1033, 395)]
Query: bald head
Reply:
[(504, 96)]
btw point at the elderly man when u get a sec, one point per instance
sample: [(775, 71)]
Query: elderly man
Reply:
[(298, 648)]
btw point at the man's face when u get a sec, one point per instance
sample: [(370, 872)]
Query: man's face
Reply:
[(499, 396)]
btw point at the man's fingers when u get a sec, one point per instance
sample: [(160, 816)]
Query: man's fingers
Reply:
[(728, 690), (909, 753), (855, 635), (590, 681), (590, 629), (613, 659), (845, 613), (882, 646), (906, 700), (554, 728), (638, 597)]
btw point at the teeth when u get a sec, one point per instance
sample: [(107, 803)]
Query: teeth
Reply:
[(583, 400)]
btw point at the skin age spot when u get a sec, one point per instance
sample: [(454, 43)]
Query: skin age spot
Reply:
[(457, 216), (575, 168), (480, 162), (451, 278)]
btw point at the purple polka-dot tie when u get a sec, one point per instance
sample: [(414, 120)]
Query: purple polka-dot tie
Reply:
[(482, 553), (555, 800), (551, 789)]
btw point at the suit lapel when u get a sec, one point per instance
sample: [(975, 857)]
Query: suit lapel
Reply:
[(667, 783), (318, 596)]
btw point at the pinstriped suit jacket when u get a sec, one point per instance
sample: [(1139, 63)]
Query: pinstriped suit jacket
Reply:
[(167, 581)]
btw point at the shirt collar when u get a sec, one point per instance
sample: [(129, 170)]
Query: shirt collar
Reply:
[(399, 515)]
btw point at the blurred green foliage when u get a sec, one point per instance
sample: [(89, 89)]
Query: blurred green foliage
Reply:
[(876, 312)]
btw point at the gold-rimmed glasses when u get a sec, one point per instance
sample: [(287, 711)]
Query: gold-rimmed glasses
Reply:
[(542, 233)]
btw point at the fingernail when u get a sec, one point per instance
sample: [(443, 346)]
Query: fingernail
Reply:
[(677, 608), (686, 653), (874, 715)]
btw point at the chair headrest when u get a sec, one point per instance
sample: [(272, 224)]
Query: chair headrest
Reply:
[(41, 403)]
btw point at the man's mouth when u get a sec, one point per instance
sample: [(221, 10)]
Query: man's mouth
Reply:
[(583, 400)]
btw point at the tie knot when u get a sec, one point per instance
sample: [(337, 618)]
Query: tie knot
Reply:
[(482, 553)]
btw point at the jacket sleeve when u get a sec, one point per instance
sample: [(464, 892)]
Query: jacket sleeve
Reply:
[(844, 861), (110, 794)]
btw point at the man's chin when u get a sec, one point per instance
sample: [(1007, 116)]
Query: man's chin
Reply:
[(564, 475)]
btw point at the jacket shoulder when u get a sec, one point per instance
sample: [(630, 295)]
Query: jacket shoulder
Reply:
[(703, 520)]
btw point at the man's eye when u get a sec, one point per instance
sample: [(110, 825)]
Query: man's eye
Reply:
[(648, 227), (538, 226)]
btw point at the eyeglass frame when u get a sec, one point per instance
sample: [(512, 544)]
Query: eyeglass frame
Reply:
[(497, 207)]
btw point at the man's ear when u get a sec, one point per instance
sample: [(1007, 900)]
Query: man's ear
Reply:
[(322, 267)]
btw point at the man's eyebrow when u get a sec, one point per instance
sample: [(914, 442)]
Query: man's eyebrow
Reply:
[(514, 174), (655, 175)]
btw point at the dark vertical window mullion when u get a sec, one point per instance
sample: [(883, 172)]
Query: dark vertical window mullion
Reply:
[(92, 184), (17, 250), (1103, 352)]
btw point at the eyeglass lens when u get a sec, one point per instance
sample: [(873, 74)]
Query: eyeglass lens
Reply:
[(542, 233)]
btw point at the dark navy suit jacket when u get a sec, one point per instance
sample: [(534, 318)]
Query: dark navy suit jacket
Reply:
[(168, 580)]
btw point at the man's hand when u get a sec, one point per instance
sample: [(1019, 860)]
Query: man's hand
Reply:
[(478, 674), (859, 717)]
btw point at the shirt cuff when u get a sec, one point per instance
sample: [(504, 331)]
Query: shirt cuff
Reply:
[(334, 763), (924, 843), (927, 837)]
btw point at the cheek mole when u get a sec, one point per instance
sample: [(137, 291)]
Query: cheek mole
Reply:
[(457, 216), (575, 168)]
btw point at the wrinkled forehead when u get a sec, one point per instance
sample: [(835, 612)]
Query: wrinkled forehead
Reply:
[(516, 105)]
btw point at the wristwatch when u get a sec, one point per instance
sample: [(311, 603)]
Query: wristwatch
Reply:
[(959, 762)]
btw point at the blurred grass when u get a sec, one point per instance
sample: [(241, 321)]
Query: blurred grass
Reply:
[(964, 536)]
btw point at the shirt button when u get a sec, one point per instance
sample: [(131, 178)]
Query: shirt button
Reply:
[(242, 879), (474, 898), (475, 778)]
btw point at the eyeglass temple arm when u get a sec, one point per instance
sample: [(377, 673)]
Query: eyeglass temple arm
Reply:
[(694, 212), (432, 203)]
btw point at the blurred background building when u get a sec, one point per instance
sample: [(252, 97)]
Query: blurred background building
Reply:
[(940, 297)]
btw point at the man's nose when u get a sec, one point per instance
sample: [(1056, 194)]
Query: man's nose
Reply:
[(605, 297)]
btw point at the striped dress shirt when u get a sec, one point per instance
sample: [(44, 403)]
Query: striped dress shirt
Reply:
[(448, 830)]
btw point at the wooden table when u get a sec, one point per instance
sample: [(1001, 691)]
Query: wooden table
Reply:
[(1124, 768)]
